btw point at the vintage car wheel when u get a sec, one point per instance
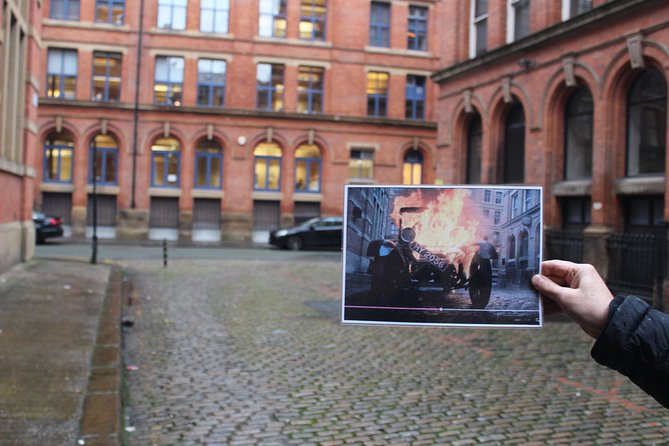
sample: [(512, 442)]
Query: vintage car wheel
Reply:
[(294, 243), (388, 276), (480, 282)]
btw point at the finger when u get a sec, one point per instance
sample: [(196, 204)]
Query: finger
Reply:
[(559, 268), (550, 306), (550, 289)]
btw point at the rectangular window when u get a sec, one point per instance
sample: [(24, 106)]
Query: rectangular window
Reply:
[(312, 19), (515, 205), (310, 89), (527, 202), (572, 8), (479, 28), (209, 166), (110, 11), (497, 217), (519, 19), (361, 164), (64, 9), (377, 93), (168, 80), (498, 197), (172, 14), (487, 195), (211, 82), (105, 165), (272, 19), (58, 163), (61, 74), (379, 25), (269, 87), (415, 97), (417, 30), (214, 15), (106, 76)]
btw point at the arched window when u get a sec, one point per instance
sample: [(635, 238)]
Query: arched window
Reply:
[(165, 159), (58, 155), (513, 163), (578, 135), (647, 124), (474, 145), (267, 162), (308, 168), (511, 247), (103, 160), (412, 170), (208, 164), (523, 249)]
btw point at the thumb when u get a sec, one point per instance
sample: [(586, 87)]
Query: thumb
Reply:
[(550, 289)]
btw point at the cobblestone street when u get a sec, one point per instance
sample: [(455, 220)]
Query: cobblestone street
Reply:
[(231, 352)]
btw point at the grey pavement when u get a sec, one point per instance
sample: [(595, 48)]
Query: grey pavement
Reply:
[(251, 352), (49, 320)]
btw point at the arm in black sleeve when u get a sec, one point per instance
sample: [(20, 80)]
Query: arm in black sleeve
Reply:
[(635, 342)]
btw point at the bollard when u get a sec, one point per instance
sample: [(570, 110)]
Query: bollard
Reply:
[(164, 253)]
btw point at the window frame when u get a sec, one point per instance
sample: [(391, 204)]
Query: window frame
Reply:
[(169, 84), (267, 159), (417, 25), (379, 31), (476, 21), (165, 155), (211, 158), (309, 90), (411, 159), (313, 19), (568, 9), (572, 118), (215, 10), (413, 99), (360, 159), (61, 76), (110, 10), (45, 162), (172, 5), (513, 7), (378, 97), (66, 10), (211, 85), (309, 163), (103, 168), (105, 95), (271, 89), (278, 12)]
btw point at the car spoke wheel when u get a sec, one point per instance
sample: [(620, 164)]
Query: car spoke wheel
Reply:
[(294, 243)]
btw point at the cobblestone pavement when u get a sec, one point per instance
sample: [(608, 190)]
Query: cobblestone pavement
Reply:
[(252, 353)]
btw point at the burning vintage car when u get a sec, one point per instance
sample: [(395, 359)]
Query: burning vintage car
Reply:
[(403, 265)]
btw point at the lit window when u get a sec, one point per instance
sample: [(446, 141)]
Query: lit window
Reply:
[(168, 81), (417, 29), (208, 165), (172, 14), (415, 97), (312, 19), (361, 164), (58, 154), (272, 20), (310, 89), (647, 124), (106, 76), (214, 15), (269, 87), (211, 82), (61, 74), (110, 11), (267, 162), (377, 93), (308, 168), (165, 160), (412, 169), (379, 25), (64, 9), (103, 160), (478, 40)]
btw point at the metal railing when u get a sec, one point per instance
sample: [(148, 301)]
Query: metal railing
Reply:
[(564, 245)]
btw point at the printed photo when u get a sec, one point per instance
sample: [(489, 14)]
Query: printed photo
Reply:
[(442, 255)]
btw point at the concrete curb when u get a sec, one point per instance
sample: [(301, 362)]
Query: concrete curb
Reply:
[(101, 419)]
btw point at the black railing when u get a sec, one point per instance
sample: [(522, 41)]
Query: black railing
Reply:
[(637, 264), (564, 245)]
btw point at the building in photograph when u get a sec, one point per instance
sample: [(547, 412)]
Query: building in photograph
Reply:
[(209, 120), (19, 86), (571, 96)]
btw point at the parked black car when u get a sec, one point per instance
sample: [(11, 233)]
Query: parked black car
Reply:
[(46, 227), (317, 232)]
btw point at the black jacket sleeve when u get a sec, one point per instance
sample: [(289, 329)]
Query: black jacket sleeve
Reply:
[(635, 342)]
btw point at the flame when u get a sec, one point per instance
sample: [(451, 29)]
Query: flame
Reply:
[(449, 224)]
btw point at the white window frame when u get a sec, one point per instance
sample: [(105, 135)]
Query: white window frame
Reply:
[(473, 22), (511, 21)]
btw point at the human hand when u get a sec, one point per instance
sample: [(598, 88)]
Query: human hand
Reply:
[(578, 291)]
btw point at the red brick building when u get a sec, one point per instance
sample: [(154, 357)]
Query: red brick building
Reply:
[(572, 96), (219, 119), (19, 86)]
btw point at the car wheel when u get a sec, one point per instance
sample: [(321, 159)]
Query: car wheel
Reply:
[(480, 282), (294, 243)]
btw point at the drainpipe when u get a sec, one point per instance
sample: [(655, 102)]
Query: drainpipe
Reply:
[(135, 117)]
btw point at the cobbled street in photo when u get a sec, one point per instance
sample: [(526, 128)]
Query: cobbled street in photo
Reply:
[(249, 352)]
